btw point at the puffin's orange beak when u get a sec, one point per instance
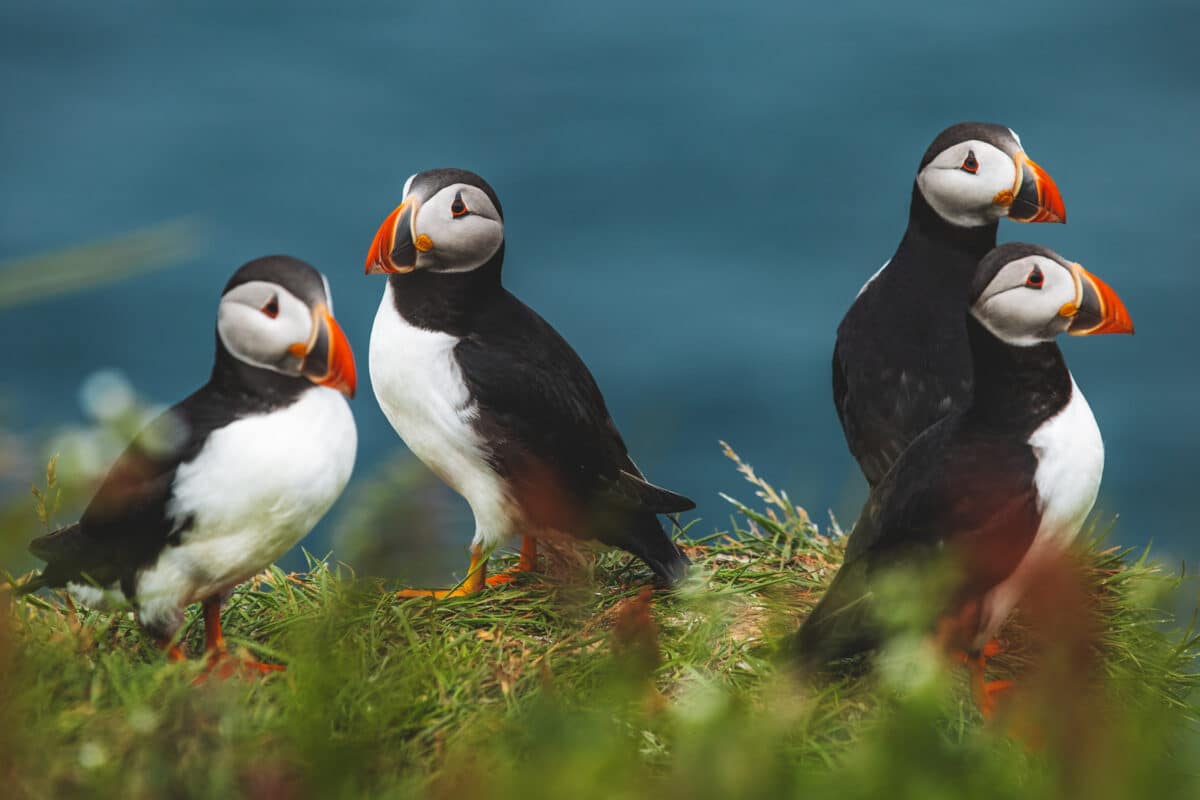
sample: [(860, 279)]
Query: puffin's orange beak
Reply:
[(1096, 309), (393, 250), (1037, 198), (327, 357)]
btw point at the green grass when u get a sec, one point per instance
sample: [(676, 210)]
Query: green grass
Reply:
[(570, 684)]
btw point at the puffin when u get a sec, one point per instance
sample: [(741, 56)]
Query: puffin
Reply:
[(998, 485), (229, 479), (901, 360), (492, 399)]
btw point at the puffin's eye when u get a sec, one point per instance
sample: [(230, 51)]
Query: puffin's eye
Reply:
[(970, 163), (271, 309), (458, 208), (1035, 279)]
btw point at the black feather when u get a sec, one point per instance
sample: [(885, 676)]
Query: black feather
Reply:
[(901, 361)]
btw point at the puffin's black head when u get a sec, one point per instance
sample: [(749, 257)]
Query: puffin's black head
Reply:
[(450, 220), (976, 172), (276, 313), (1025, 294)]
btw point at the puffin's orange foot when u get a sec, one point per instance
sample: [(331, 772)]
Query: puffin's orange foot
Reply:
[(508, 576), (224, 666), (991, 649), (173, 652), (527, 563), (262, 667), (985, 691), (436, 594), (986, 695), (474, 582)]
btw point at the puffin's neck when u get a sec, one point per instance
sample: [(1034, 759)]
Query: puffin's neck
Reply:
[(246, 387), (446, 301), (954, 248), (1015, 388)]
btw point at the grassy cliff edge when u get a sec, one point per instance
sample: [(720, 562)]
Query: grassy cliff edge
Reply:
[(578, 683)]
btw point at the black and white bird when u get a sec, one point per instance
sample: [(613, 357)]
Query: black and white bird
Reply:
[(901, 360), (491, 398), (229, 479), (1006, 479)]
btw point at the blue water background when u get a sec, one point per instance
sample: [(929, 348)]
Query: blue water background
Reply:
[(694, 192)]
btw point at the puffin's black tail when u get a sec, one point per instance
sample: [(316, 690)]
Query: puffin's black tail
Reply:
[(32, 585), (58, 545), (58, 549), (841, 627), (667, 560), (644, 536)]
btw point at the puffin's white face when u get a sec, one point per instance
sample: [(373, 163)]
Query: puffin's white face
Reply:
[(1036, 297), (263, 324), (259, 322), (964, 183), (974, 173), (1022, 304), (457, 228)]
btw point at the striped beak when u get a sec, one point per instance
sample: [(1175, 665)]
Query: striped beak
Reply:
[(1096, 309), (1037, 198), (326, 359), (394, 250)]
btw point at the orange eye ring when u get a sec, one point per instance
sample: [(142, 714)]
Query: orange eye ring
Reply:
[(970, 163), (1036, 279), (459, 208), (271, 309)]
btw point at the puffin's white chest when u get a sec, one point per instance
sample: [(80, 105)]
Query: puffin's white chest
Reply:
[(1070, 456), (257, 487), (420, 389), (1070, 463)]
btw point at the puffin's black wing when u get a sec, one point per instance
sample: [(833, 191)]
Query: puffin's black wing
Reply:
[(901, 361), (871, 434), (550, 432), (883, 406), (952, 491), (127, 522)]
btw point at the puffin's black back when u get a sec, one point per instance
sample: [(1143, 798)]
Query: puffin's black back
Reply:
[(551, 435), (901, 361)]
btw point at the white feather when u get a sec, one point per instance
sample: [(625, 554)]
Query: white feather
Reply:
[(256, 488), (420, 389), (97, 597), (878, 272), (1070, 463)]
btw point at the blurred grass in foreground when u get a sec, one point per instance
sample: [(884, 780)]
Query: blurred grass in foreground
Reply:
[(573, 685)]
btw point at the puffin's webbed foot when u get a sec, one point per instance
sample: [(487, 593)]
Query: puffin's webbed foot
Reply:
[(475, 581), (984, 691), (527, 563), (174, 652), (224, 666), (220, 663)]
